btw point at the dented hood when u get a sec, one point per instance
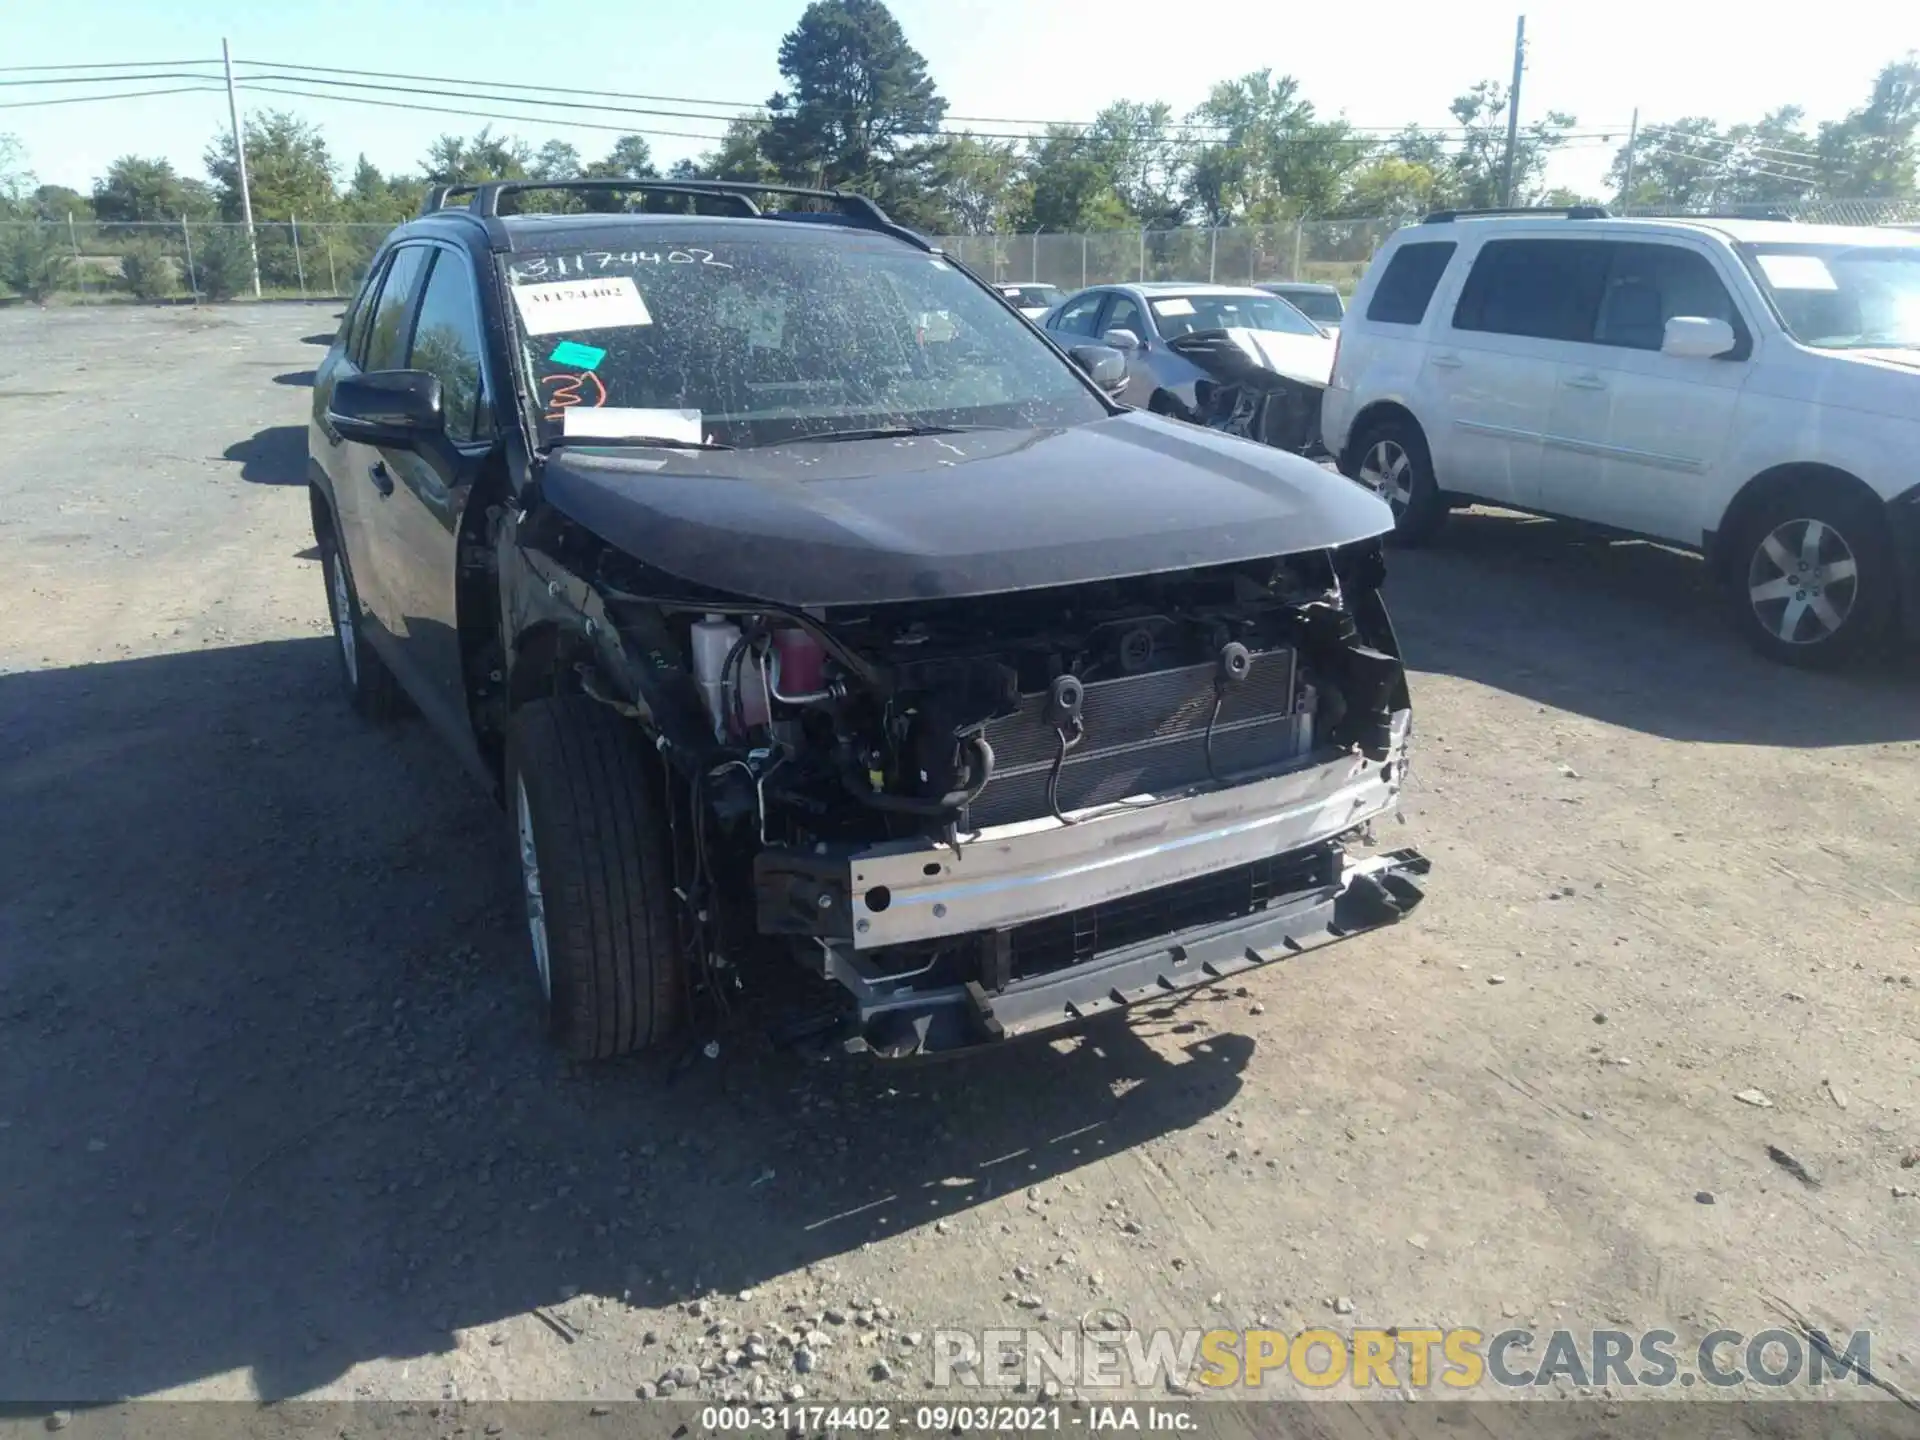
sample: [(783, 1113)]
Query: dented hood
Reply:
[(873, 521)]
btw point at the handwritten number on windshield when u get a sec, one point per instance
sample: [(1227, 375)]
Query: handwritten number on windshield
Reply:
[(561, 267), (567, 393)]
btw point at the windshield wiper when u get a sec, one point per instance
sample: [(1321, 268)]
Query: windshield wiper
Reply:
[(883, 432), (650, 442)]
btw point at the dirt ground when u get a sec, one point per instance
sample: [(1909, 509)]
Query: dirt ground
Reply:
[(275, 1120)]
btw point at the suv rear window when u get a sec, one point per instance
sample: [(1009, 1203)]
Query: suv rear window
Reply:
[(1543, 289), (1408, 284)]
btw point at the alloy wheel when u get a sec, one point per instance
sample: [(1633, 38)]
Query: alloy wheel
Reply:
[(1387, 470), (536, 903), (343, 618), (1803, 582)]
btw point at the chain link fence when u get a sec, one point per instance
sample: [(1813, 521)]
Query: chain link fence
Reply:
[(210, 260), (195, 260), (1333, 252)]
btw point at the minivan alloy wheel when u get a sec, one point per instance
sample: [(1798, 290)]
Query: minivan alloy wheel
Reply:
[(1802, 582), (536, 903), (343, 618), (1387, 470)]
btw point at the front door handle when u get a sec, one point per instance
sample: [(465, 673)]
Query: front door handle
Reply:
[(1446, 362), (381, 476), (1585, 382)]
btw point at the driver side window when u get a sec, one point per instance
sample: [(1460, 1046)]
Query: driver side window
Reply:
[(1079, 315), (446, 343), (387, 337), (1125, 315)]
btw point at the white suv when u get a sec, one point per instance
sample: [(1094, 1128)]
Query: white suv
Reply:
[(1750, 389)]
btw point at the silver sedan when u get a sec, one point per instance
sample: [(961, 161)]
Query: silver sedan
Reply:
[(1146, 321)]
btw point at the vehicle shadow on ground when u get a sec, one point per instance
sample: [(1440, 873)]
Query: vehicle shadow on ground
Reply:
[(274, 456), (294, 377), (1623, 631), (275, 1099), (324, 339)]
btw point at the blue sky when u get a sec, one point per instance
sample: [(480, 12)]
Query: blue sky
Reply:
[(1381, 63)]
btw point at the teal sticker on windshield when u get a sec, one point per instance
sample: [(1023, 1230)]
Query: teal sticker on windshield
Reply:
[(580, 357)]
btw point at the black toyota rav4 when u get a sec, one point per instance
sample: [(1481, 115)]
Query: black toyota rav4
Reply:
[(801, 602)]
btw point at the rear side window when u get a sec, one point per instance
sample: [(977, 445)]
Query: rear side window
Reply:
[(387, 342), (1543, 289), (1412, 274)]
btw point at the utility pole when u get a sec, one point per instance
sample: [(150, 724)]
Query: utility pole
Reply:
[(1626, 190), (1513, 108), (240, 159)]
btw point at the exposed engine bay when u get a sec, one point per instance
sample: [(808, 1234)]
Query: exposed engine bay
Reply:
[(953, 808), (1245, 395)]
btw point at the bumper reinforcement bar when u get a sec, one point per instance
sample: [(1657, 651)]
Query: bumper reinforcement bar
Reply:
[(1370, 893)]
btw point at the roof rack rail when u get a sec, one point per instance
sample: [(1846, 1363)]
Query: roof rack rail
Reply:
[(1571, 212), (438, 195), (849, 207)]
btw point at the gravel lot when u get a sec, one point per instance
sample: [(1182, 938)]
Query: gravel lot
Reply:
[(274, 1119)]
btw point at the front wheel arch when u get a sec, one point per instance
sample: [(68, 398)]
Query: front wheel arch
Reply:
[(1419, 508), (1760, 491), (544, 657), (1371, 418)]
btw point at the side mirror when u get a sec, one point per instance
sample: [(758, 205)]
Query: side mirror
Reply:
[(387, 407), (1694, 337), (1121, 340), (1105, 366)]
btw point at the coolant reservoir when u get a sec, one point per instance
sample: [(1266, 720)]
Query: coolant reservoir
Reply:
[(713, 640), (801, 661)]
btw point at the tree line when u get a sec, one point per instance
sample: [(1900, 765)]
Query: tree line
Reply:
[(859, 109)]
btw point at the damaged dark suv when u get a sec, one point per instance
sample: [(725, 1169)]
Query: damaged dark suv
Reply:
[(801, 602)]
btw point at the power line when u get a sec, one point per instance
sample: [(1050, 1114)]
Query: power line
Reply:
[(565, 122), (483, 114), (104, 65), (91, 99), (114, 79), (1787, 159), (742, 109), (1725, 166), (749, 112)]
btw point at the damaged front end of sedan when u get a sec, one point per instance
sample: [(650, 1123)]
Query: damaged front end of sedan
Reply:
[(987, 757), (1250, 390)]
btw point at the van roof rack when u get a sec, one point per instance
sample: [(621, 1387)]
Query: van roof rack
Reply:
[(1571, 212), (850, 208)]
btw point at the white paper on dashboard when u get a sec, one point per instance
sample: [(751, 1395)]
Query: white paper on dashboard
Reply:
[(559, 306), (1797, 272), (1176, 306), (613, 422)]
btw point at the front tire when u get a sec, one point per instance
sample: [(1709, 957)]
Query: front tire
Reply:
[(370, 685), (1392, 460), (594, 861), (1811, 578)]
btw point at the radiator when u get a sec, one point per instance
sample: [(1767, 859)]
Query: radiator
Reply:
[(1144, 734)]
